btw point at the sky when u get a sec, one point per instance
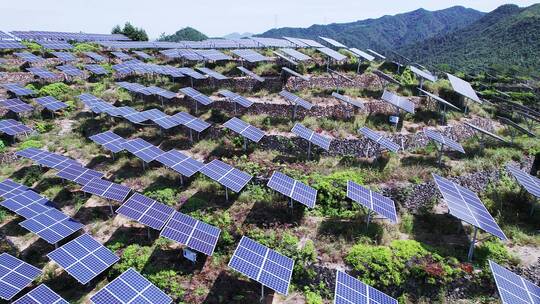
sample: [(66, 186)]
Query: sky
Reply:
[(214, 18)]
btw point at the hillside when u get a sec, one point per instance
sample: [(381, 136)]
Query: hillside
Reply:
[(388, 32), (507, 38), (187, 33)]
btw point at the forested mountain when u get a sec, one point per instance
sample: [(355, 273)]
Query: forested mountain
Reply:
[(506, 39), (388, 32), (187, 33)]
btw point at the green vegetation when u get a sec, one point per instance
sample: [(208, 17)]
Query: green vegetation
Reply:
[(130, 31), (86, 47), (184, 34), (59, 90)]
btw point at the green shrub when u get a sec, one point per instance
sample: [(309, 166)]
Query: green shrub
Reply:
[(407, 223), (167, 196), (2, 146), (3, 215), (58, 90), (85, 47), (492, 250), (313, 297), (331, 190), (30, 143), (32, 46), (134, 256), (43, 127)]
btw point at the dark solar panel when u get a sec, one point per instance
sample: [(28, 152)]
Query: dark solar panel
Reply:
[(107, 189), (180, 162), (197, 96), (51, 103), (372, 200), (381, 140), (294, 189), (15, 105), (41, 295), (350, 290), (12, 127), (142, 149), (15, 275), (9, 188), (51, 225), (312, 136), (443, 140), (293, 99), (243, 128), (78, 174), (17, 89), (146, 211), (226, 175)]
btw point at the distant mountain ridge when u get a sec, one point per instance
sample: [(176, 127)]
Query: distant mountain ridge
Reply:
[(388, 32)]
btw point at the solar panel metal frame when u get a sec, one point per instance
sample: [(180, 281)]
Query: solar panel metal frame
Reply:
[(443, 140), (372, 200), (83, 258), (16, 275), (107, 189), (463, 88), (526, 180), (350, 290), (293, 189), (244, 129), (513, 288), (226, 175), (41, 295), (380, 139), (348, 100), (398, 101), (250, 74), (146, 211)]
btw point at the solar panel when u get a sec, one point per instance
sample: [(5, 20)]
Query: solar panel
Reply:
[(350, 290), (55, 45), (27, 204), (197, 96), (191, 232), (516, 126), (346, 99), (486, 132), (42, 73), (251, 74), (41, 295), (333, 42), (212, 73), (239, 99), (295, 99), (463, 88), (189, 54), (17, 89), (262, 264), (9, 188), (142, 55), (514, 289), (32, 153), (96, 69), (6, 45), (294, 189), (372, 200), (376, 54), (109, 140), (12, 127), (64, 56), (191, 73), (226, 175), (51, 103), (15, 275), (272, 42), (424, 74), (51, 225), (70, 70), (180, 162), (122, 55), (386, 77), (15, 105), (146, 211), (107, 189), (29, 57), (297, 42), (48, 159), (250, 55), (130, 287), (296, 54), (78, 174), (527, 181), (332, 54), (312, 136), (244, 129), (95, 56), (295, 73), (142, 149), (465, 205), (362, 54), (83, 258), (381, 140), (286, 58), (439, 99), (443, 140), (311, 43), (213, 55), (398, 101)]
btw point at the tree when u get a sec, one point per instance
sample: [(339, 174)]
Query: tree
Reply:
[(187, 33), (130, 31)]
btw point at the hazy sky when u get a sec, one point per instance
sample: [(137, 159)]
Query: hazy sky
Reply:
[(214, 18)]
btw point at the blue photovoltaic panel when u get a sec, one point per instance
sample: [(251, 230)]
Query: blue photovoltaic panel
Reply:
[(161, 92), (465, 205), (424, 74), (295, 100), (381, 140), (186, 54), (70, 70), (226, 175), (244, 102), (15, 105), (52, 225), (83, 258), (95, 56), (350, 290), (262, 264), (110, 140), (42, 73), (55, 45), (28, 57), (529, 182), (27, 204), (250, 55), (96, 69), (130, 288), (398, 101), (12, 127), (362, 54), (9, 188), (250, 74), (64, 56), (443, 140), (191, 73), (294, 189), (55, 161), (142, 149), (213, 55), (484, 131), (212, 73), (197, 96), (439, 99), (244, 129), (376, 54), (514, 289), (332, 54), (15, 275), (333, 42), (142, 55), (372, 200), (32, 153), (180, 162), (78, 174), (463, 88), (41, 295), (348, 100), (166, 122), (10, 44), (146, 211), (51, 103), (191, 121), (298, 42), (312, 136), (296, 54), (121, 55), (107, 189), (191, 232), (120, 111)]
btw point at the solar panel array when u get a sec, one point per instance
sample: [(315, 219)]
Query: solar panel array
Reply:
[(43, 73), (213, 55), (70, 70), (17, 89), (41, 295), (333, 42), (362, 54), (47, 159), (191, 122), (96, 69), (350, 290), (376, 54), (462, 87), (106, 189), (64, 56), (262, 264), (372, 200), (514, 289), (28, 57), (9, 188), (83, 258), (312, 136), (109, 140), (295, 73), (332, 54), (26, 203), (122, 55), (191, 73), (296, 100), (130, 287), (78, 174), (15, 275), (180, 162), (398, 101), (296, 54), (142, 149), (51, 103), (439, 99), (226, 175), (250, 74), (9, 44), (484, 131), (95, 56), (142, 55), (191, 232), (529, 182), (292, 188), (239, 99), (146, 211), (78, 36), (51, 225), (443, 140), (243, 128), (465, 205), (197, 96), (250, 55), (212, 73), (15, 105), (381, 140), (424, 74), (12, 127)]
